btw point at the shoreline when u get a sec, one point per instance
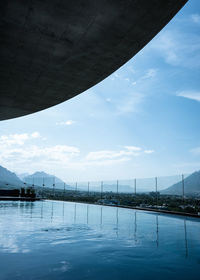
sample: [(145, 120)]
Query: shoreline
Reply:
[(7, 198), (137, 208)]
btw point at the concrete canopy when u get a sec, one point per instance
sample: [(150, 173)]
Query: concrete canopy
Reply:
[(53, 50)]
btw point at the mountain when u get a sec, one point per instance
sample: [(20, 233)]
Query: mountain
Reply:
[(191, 186), (40, 177), (107, 187), (9, 179), (22, 175), (121, 188)]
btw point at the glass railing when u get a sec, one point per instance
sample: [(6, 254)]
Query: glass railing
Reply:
[(173, 193)]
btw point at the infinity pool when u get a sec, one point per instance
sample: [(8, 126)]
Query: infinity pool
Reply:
[(63, 240)]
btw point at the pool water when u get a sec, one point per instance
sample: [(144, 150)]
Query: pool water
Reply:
[(64, 240)]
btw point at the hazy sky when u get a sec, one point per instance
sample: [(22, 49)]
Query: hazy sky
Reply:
[(142, 121)]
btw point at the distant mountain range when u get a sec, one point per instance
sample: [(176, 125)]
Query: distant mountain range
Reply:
[(191, 186), (22, 175), (40, 177), (9, 179), (107, 187)]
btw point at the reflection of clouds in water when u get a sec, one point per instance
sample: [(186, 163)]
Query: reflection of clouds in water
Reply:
[(70, 248), (21, 230), (130, 243), (10, 244), (63, 266)]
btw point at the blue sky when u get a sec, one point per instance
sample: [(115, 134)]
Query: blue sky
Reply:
[(142, 121)]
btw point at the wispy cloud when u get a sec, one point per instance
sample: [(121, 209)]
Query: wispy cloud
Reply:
[(68, 122), (178, 48), (103, 162), (195, 151), (133, 148), (151, 73), (194, 95), (195, 18), (127, 152), (116, 75), (130, 103), (99, 155), (148, 151), (166, 45), (148, 74)]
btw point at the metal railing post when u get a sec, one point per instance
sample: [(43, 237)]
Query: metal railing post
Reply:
[(183, 190), (43, 187), (101, 189), (135, 185), (53, 186), (156, 186), (24, 187), (64, 189)]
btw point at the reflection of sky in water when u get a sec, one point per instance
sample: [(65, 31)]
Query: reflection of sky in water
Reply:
[(60, 240)]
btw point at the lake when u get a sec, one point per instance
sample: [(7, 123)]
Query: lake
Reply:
[(64, 240)]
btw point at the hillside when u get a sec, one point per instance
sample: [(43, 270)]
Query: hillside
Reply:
[(191, 186), (40, 177), (9, 179)]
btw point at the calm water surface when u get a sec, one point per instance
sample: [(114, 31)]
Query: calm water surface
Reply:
[(63, 240)]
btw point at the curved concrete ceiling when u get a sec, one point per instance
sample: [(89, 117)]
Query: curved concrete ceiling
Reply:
[(53, 50)]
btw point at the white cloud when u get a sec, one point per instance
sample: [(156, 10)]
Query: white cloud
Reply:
[(109, 157), (68, 122), (35, 135), (99, 155), (19, 150), (128, 152), (17, 139), (25, 156), (133, 148), (195, 18), (148, 151), (116, 75), (194, 95)]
